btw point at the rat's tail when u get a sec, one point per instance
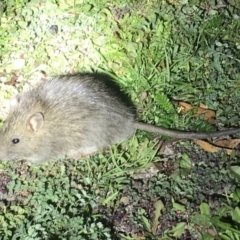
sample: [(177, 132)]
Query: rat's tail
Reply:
[(182, 134)]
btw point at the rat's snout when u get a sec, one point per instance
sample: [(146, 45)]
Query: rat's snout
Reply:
[(6, 155)]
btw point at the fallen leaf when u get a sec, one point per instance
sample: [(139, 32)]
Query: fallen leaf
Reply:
[(147, 173), (79, 186), (24, 193), (229, 143), (206, 146), (201, 105), (124, 200), (209, 115), (13, 80)]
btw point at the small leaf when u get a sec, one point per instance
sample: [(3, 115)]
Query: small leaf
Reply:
[(158, 206), (179, 229), (185, 162), (236, 195), (86, 8), (180, 207), (124, 200), (110, 198), (146, 223), (236, 214), (235, 170), (22, 24), (205, 209)]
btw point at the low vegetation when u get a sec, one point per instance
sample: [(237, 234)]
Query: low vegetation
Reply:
[(179, 63)]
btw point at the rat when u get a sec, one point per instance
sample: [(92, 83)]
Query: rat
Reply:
[(74, 116)]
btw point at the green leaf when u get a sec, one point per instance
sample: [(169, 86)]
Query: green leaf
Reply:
[(223, 225), (158, 206), (146, 223), (236, 195), (86, 8), (177, 206), (164, 102), (185, 162), (236, 171), (205, 209), (179, 229), (236, 214), (22, 24)]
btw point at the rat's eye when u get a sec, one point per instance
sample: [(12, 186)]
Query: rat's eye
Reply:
[(15, 140)]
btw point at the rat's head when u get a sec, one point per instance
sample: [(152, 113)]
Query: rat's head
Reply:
[(20, 136)]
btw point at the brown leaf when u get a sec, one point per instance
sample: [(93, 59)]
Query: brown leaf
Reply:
[(211, 148), (209, 115), (24, 193), (229, 143), (13, 80), (124, 200)]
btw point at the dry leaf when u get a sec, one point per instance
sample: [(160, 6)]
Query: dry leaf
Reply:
[(209, 115), (79, 186), (211, 148), (13, 80), (145, 173), (24, 193), (203, 106), (124, 200), (229, 143)]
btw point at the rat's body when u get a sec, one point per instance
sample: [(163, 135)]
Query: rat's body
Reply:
[(73, 116)]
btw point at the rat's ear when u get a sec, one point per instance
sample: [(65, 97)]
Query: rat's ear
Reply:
[(35, 122)]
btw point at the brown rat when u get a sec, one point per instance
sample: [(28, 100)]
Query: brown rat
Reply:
[(73, 115)]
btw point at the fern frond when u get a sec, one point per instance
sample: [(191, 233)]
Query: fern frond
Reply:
[(164, 102)]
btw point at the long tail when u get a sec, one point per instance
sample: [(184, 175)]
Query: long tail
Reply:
[(182, 134)]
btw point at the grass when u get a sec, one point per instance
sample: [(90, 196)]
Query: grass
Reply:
[(160, 53)]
